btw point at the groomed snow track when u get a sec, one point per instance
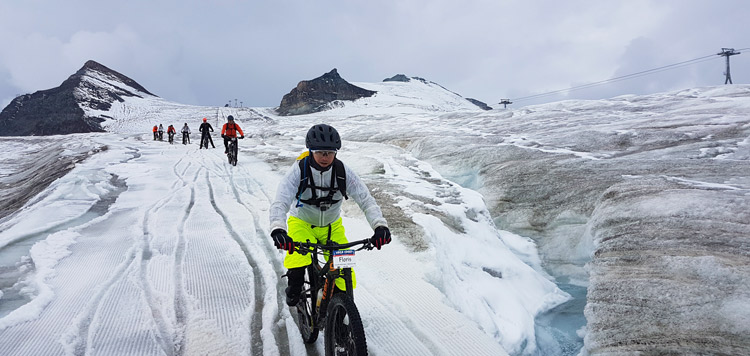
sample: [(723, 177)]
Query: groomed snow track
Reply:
[(180, 264)]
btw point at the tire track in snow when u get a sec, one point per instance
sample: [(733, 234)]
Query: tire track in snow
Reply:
[(269, 312), (78, 339), (272, 308), (256, 321), (169, 342), (163, 337), (180, 300)]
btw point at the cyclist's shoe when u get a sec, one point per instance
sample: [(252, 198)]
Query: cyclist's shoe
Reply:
[(292, 298)]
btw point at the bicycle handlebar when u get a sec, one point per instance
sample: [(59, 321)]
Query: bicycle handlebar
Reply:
[(332, 247)]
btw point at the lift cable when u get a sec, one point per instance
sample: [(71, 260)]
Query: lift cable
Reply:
[(624, 77)]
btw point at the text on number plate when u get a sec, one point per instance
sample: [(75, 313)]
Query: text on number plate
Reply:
[(343, 259)]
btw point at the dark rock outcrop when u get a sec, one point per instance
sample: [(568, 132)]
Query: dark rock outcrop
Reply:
[(60, 110), (397, 78), (479, 104), (318, 94)]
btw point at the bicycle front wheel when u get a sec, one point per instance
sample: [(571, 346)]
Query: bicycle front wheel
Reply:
[(344, 332), (306, 310)]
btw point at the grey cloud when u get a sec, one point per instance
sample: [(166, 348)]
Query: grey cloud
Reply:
[(207, 53)]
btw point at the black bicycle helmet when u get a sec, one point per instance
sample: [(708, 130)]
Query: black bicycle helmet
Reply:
[(323, 137), (230, 118)]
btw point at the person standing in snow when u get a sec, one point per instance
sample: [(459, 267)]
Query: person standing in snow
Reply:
[(229, 130), (161, 132), (185, 134), (205, 135), (316, 216), (156, 133)]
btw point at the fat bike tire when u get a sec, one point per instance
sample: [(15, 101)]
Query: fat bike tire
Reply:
[(306, 309), (344, 333)]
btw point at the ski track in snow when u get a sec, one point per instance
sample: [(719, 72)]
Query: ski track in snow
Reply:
[(182, 265)]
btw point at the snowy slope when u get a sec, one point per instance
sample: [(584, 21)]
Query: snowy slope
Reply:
[(148, 248)]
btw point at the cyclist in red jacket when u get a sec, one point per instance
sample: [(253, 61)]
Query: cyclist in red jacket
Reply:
[(229, 130)]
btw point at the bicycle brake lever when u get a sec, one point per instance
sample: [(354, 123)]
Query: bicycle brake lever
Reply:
[(302, 251)]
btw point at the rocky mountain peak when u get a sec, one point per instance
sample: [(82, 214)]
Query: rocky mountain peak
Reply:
[(92, 67), (397, 78), (76, 106), (319, 94)]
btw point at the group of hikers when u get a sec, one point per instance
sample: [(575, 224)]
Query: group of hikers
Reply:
[(228, 131)]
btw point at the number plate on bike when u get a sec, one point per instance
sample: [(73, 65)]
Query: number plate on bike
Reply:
[(343, 259)]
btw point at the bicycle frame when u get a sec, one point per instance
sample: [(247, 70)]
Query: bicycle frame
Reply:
[(325, 275), (205, 139), (233, 149)]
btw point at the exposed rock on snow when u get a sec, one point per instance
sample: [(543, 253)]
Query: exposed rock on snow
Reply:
[(480, 104), (397, 78), (318, 94), (35, 165)]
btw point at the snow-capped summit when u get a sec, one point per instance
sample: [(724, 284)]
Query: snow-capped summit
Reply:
[(405, 97), (78, 105), (98, 86)]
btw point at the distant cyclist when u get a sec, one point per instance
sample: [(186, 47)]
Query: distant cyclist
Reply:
[(171, 132), (156, 133), (229, 130), (185, 134), (205, 135), (161, 132), (318, 183)]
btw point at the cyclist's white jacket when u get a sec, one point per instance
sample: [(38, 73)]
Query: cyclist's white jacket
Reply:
[(286, 199), (185, 129)]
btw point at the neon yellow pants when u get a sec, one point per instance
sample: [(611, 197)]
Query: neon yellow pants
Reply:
[(300, 231)]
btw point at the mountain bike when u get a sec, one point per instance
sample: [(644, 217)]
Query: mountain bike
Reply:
[(323, 306), (171, 137), (205, 137), (232, 151), (161, 135), (185, 138)]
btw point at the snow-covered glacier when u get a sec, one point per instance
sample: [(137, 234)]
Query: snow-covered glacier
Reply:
[(607, 227), (642, 199)]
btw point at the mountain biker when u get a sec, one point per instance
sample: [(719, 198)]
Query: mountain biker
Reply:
[(171, 132), (319, 219), (229, 130), (156, 134), (185, 134), (161, 132), (204, 129)]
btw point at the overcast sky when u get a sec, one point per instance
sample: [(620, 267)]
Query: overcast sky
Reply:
[(211, 52)]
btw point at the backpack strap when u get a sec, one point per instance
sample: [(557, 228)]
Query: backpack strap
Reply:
[(340, 172), (338, 183)]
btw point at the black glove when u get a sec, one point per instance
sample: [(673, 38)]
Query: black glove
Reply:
[(282, 241), (381, 237), (242, 137), (223, 136)]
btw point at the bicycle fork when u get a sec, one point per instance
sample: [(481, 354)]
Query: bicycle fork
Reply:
[(328, 288)]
